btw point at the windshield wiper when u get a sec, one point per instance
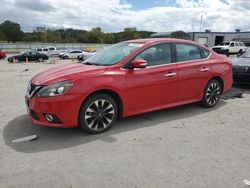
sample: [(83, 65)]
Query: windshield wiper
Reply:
[(88, 63)]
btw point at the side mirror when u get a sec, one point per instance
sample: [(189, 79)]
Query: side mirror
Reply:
[(138, 63)]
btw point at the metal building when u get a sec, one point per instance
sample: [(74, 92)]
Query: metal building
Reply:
[(208, 38), (214, 38)]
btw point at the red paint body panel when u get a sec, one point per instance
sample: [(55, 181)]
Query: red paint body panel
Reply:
[(140, 90), (2, 54)]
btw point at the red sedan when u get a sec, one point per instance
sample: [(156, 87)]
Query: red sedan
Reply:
[(2, 54), (125, 79)]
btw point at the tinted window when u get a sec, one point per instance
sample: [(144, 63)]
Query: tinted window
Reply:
[(187, 52), (232, 44), (156, 55), (39, 50), (76, 52), (205, 53), (45, 50)]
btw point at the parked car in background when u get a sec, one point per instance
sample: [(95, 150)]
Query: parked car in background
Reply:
[(2, 54), (51, 48), (241, 68), (125, 79), (72, 54), (87, 55), (42, 51), (230, 47), (63, 52), (30, 56)]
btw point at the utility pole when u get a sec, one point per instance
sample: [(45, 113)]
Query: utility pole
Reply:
[(201, 23), (44, 34)]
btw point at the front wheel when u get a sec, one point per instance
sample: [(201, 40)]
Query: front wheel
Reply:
[(40, 59), (98, 113), (212, 93)]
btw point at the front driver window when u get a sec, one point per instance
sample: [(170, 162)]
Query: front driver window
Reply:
[(156, 55)]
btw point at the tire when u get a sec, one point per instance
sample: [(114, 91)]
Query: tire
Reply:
[(227, 53), (40, 59), (240, 52), (98, 113), (66, 57), (212, 93)]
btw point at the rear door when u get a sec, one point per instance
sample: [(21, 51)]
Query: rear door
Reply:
[(156, 85), (193, 71)]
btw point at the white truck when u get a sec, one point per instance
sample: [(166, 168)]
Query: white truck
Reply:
[(230, 47)]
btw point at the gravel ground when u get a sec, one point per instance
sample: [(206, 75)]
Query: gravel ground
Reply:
[(187, 146)]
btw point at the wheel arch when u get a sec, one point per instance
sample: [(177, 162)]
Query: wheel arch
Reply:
[(112, 94), (220, 80)]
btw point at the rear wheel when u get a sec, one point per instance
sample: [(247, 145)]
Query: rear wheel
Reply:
[(212, 93), (40, 59), (98, 113), (240, 52)]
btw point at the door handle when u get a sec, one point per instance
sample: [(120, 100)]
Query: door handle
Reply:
[(170, 74), (205, 69)]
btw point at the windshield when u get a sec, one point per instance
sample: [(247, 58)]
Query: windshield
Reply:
[(224, 44), (112, 54), (246, 54)]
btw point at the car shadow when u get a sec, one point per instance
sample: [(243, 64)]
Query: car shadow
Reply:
[(245, 88), (56, 139)]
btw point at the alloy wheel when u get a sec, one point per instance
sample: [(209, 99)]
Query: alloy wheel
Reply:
[(213, 93), (99, 115)]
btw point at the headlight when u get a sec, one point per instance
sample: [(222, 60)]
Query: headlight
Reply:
[(55, 89)]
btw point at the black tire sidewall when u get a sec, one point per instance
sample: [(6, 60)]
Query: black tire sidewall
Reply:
[(204, 101), (85, 105)]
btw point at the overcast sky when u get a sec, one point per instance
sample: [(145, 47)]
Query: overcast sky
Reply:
[(114, 15)]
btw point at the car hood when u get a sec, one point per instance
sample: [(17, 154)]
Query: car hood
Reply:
[(66, 72), (241, 61)]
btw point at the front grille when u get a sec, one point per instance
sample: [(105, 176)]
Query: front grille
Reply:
[(32, 89), (216, 49), (241, 69), (34, 115)]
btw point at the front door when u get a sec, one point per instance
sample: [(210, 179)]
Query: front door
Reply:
[(156, 85)]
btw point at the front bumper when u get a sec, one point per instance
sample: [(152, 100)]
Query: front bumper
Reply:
[(220, 51), (242, 78), (241, 74), (65, 108)]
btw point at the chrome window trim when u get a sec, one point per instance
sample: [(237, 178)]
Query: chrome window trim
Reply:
[(180, 62)]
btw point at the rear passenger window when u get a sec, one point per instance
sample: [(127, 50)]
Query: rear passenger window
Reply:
[(187, 52)]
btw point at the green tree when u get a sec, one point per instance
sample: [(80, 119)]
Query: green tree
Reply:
[(11, 30), (95, 35), (108, 38), (53, 36), (130, 33)]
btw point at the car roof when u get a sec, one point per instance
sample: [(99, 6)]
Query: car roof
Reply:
[(160, 40), (156, 40)]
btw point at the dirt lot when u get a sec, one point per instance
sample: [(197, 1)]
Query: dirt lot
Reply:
[(187, 146)]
